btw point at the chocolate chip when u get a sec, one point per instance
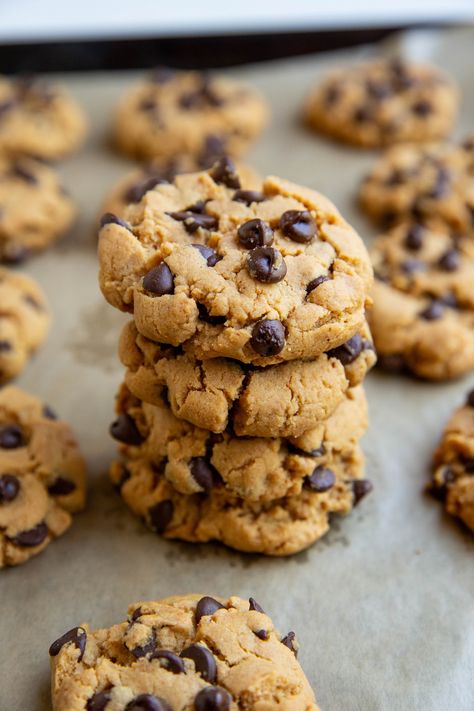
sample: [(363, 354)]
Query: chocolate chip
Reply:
[(148, 105), (422, 108), (253, 605), (31, 301), (9, 488), (194, 220), (142, 650), (61, 487), (298, 225), (360, 488), (204, 661), (207, 606), (439, 489), (266, 264), (209, 254), (19, 171), (148, 702), (204, 473), (110, 219), (225, 172), (410, 266), (124, 476), (135, 192), (379, 90), (49, 413), (470, 399), (161, 75), (6, 106), (169, 660), (76, 636), (450, 260), (5, 346), (159, 280), (314, 283), (161, 515), (432, 312), (124, 429), (11, 437), (349, 351), (213, 149), (204, 315), (395, 363), (32, 537), (442, 184), (362, 114), (449, 300), (212, 698), (414, 237), (268, 337), (262, 634), (255, 233), (98, 701), (136, 614), (332, 95), (248, 196), (320, 480), (289, 640)]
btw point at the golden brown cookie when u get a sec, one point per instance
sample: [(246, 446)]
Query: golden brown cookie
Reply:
[(182, 652)]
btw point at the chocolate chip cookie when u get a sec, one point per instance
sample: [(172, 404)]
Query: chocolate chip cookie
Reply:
[(453, 465), (262, 277), (183, 652), (24, 321), (381, 102), (175, 113), (423, 313), (38, 119), (42, 476), (34, 208), (280, 401)]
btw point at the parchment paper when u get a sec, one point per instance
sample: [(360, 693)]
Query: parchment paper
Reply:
[(383, 605)]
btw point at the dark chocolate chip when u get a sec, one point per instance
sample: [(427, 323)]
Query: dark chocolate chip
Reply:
[(11, 437), (253, 605), (49, 413), (268, 337), (449, 300), (9, 488), (262, 634), (148, 702), (314, 283), (169, 661), (213, 149), (204, 661), (206, 606), (209, 254), (204, 473), (360, 488), (124, 476), (266, 264), (124, 429), (76, 636), (442, 184), (298, 225), (32, 537), (212, 698), (433, 312), (194, 220), (470, 399), (414, 237), (362, 114), (161, 515), (410, 266), (349, 351), (422, 108), (148, 104), (255, 233), (136, 614), (159, 280), (450, 261), (98, 701), (110, 219), (143, 650), (204, 315), (320, 480), (5, 346), (289, 640), (19, 171), (378, 90), (225, 172), (248, 196), (61, 487), (135, 192), (439, 490)]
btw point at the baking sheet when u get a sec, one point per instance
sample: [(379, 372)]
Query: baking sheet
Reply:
[(383, 605)]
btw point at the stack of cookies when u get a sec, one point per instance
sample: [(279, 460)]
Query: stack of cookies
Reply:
[(242, 407)]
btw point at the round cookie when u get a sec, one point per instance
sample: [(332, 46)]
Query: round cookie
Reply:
[(183, 652), (24, 321), (195, 460), (34, 208), (38, 119), (260, 277), (381, 102), (280, 401), (423, 313), (453, 466), (42, 476), (410, 182)]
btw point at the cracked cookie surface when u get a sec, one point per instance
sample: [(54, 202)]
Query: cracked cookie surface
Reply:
[(260, 277), (42, 476), (179, 653), (381, 102), (188, 113)]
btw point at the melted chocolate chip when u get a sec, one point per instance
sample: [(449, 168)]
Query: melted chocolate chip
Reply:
[(204, 661), (19, 171), (266, 264), (5, 346), (11, 437), (61, 487), (360, 488), (212, 698), (225, 172), (255, 233), (349, 351), (378, 90), (320, 480), (161, 515), (332, 95), (253, 605), (148, 702), (248, 196), (124, 429), (450, 261), (135, 192), (9, 488), (32, 537), (470, 399), (422, 108), (209, 254), (262, 634), (98, 701), (76, 636), (143, 650), (194, 220), (159, 280), (298, 225), (169, 660), (110, 219), (204, 473), (136, 614), (205, 607), (289, 641), (268, 337), (362, 114), (204, 315), (414, 237), (314, 283), (433, 312)]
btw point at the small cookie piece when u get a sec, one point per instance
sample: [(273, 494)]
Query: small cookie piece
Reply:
[(188, 113), (38, 119), (423, 313), (453, 465), (42, 476), (24, 321), (381, 102), (260, 277), (195, 460), (183, 652), (422, 183), (279, 401), (34, 208)]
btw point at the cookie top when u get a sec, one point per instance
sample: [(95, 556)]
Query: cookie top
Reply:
[(453, 465), (24, 321), (195, 460), (182, 652), (381, 102), (282, 400), (188, 113), (42, 476), (410, 182), (38, 119), (262, 277), (34, 207)]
